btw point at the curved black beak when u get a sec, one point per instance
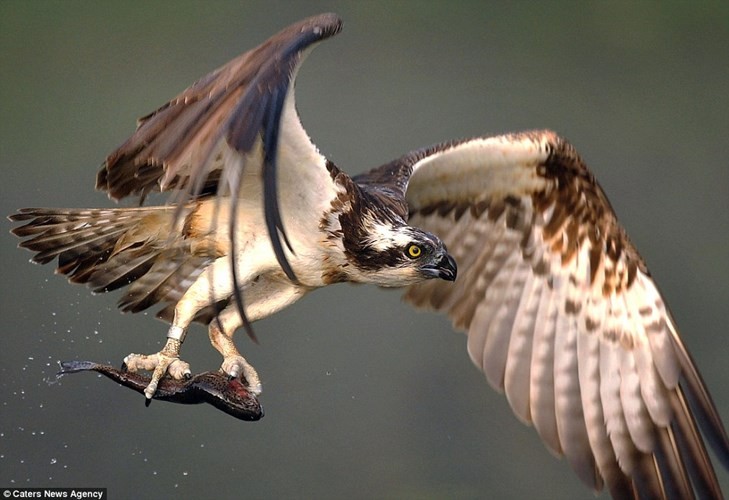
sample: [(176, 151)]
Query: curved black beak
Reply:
[(445, 268)]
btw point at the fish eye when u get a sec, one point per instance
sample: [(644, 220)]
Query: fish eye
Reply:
[(414, 251)]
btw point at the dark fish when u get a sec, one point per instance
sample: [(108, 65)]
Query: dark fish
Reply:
[(218, 389)]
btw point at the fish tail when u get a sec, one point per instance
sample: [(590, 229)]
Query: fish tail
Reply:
[(76, 366)]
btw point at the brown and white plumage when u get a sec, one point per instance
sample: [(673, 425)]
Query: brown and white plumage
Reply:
[(560, 310), (233, 155), (561, 313)]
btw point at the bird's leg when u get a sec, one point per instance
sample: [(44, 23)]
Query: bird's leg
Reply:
[(221, 331), (211, 286)]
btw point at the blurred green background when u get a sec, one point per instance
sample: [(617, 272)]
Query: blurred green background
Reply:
[(376, 400)]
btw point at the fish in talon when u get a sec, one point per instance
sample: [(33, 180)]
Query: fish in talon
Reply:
[(227, 394)]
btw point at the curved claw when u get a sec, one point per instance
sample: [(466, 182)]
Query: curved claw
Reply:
[(236, 365)]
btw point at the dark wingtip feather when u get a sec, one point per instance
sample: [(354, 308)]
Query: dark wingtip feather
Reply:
[(708, 418), (237, 294), (274, 223), (692, 449), (702, 405), (671, 466)]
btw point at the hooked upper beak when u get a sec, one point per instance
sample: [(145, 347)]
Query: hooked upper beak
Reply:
[(445, 268)]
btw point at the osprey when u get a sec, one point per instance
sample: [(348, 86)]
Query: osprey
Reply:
[(560, 310)]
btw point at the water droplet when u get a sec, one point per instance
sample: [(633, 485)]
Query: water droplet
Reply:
[(53, 461)]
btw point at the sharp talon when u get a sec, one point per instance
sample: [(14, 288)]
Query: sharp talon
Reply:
[(124, 366), (236, 367), (147, 402), (187, 375)]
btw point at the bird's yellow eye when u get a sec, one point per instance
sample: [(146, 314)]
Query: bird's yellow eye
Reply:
[(414, 251)]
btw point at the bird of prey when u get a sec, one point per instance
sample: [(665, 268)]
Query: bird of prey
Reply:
[(560, 310)]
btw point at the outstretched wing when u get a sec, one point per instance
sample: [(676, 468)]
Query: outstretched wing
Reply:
[(561, 312), (241, 115)]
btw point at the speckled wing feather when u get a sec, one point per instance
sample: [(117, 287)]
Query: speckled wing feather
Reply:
[(561, 312), (240, 115)]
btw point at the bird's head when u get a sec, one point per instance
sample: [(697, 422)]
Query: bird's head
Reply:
[(394, 255)]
